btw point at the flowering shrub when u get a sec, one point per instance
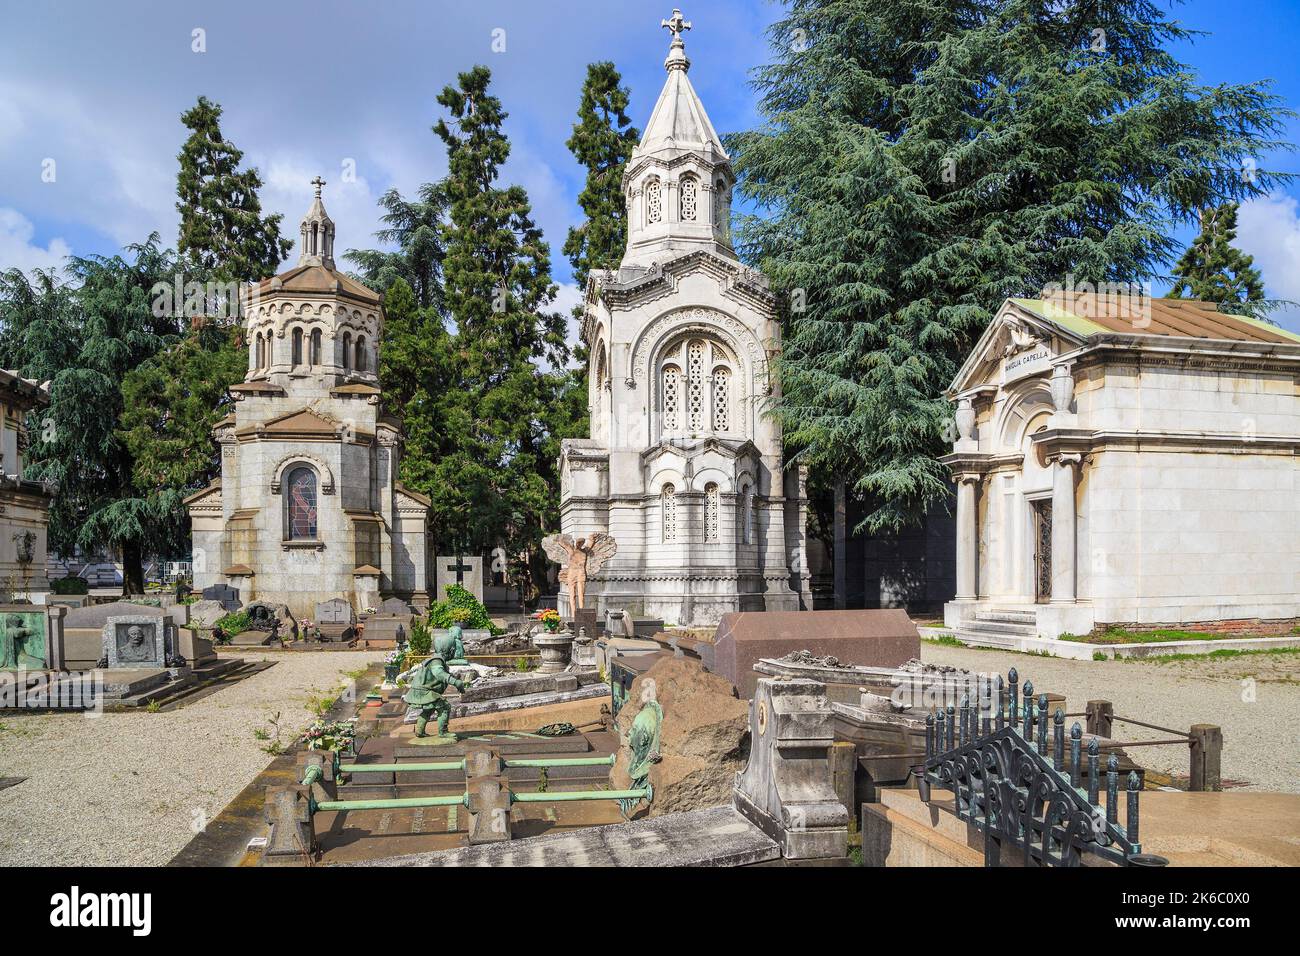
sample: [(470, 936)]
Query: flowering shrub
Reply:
[(549, 617)]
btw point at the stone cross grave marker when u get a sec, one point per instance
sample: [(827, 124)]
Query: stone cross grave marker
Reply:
[(462, 570), (227, 596)]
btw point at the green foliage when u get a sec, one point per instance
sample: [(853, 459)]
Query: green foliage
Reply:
[(1214, 270), (460, 607), (231, 624), (222, 233), (171, 403), (70, 585), (421, 642), (415, 227), (921, 160), (84, 336), (602, 141)]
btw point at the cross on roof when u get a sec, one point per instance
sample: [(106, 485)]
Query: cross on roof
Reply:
[(676, 25), (318, 183)]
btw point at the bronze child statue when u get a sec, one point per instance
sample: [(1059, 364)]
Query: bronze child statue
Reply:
[(429, 682)]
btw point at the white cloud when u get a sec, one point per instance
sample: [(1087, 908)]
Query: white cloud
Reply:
[(17, 251), (1268, 228)]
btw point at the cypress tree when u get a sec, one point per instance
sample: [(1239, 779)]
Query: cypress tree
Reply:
[(602, 141), (415, 226), (498, 484), (1214, 270), (223, 233), (921, 160)]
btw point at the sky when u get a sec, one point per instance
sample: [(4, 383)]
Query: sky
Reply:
[(91, 95)]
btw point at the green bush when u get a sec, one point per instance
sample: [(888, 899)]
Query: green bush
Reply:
[(421, 642), (70, 585), (232, 624), (461, 608)]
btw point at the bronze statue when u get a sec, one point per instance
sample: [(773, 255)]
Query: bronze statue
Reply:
[(579, 560)]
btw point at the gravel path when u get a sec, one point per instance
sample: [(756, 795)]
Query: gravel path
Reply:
[(1254, 698), (133, 788)]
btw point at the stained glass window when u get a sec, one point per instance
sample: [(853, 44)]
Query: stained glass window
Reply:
[(302, 504), (695, 386)]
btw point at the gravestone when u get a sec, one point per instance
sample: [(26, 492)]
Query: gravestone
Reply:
[(391, 623), (137, 641), (84, 630), (882, 638), (465, 571), (224, 594), (335, 620), (205, 614)]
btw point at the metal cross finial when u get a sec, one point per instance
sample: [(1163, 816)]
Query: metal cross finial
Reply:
[(676, 25), (318, 183)]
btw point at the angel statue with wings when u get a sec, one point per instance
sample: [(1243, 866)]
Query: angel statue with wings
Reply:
[(578, 561)]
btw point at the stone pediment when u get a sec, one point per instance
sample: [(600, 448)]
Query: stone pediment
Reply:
[(1016, 345), (410, 496), (629, 288), (303, 423)]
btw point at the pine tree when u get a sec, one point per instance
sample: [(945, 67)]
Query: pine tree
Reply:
[(497, 486), (921, 160), (416, 228), (602, 141), (1214, 270), (223, 234)]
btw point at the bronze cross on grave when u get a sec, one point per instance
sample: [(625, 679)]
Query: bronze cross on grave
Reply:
[(675, 24)]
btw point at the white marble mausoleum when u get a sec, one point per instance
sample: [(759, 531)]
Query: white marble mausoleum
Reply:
[(308, 506), (684, 467), (1126, 462)]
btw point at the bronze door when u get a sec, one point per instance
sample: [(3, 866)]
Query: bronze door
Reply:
[(1042, 551)]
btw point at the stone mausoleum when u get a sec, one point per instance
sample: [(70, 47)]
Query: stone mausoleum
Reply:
[(1126, 461), (684, 467), (308, 506)]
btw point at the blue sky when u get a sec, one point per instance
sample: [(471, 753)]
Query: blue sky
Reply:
[(307, 87)]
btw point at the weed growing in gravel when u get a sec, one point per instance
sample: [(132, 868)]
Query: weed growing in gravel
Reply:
[(945, 640)]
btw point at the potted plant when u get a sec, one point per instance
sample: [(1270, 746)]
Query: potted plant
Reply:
[(550, 619), (393, 665)]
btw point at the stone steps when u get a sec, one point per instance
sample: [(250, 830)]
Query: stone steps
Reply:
[(1008, 615)]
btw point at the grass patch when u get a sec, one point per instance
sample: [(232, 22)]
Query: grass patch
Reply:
[(1220, 653), (1118, 636), (944, 640)]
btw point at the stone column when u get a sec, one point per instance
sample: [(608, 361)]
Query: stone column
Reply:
[(1063, 528), (967, 536)]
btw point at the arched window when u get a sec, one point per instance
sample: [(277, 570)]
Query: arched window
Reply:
[(721, 400), (257, 351), (672, 397), (297, 347), (314, 357), (695, 385), (654, 206), (711, 511), (347, 351), (668, 512), (696, 378), (301, 504), (361, 353), (690, 198)]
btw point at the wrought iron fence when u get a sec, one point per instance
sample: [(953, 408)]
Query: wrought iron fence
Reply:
[(1011, 782)]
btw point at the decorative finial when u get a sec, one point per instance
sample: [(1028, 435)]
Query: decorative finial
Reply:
[(318, 183), (676, 25)]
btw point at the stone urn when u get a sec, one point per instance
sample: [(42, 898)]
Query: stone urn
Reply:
[(555, 649)]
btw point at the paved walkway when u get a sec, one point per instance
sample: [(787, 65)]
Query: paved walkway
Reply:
[(1254, 698)]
